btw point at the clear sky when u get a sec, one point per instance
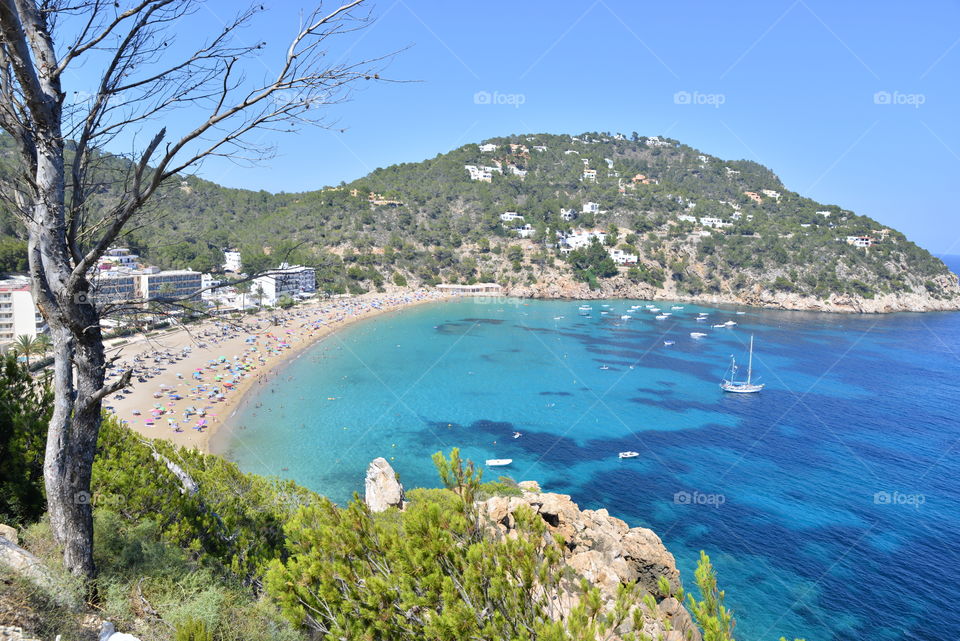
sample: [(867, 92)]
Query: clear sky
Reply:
[(851, 103)]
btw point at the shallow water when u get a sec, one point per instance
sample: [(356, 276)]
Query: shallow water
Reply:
[(828, 503)]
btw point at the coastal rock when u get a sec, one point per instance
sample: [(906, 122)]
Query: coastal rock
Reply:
[(608, 553), (529, 486), (560, 285), (382, 488)]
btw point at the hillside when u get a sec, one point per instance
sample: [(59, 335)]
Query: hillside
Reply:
[(700, 228)]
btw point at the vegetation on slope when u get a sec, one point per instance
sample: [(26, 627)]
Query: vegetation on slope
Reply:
[(448, 227)]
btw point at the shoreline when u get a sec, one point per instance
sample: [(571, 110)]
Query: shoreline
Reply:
[(259, 347), (212, 367)]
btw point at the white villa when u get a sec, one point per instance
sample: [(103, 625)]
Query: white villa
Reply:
[(508, 216), (591, 208), (488, 148)]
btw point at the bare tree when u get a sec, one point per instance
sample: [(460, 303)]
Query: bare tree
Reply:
[(145, 74)]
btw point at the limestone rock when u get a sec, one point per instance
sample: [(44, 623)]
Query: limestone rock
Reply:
[(608, 553), (382, 489), (529, 486), (10, 533), (650, 559)]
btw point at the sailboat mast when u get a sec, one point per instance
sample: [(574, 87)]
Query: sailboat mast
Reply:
[(750, 365)]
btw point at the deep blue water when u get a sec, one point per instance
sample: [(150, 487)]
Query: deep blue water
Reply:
[(829, 503)]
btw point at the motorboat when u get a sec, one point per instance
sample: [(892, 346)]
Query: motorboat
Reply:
[(628, 454), (498, 462), (697, 335)]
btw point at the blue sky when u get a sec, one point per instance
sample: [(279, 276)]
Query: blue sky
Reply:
[(849, 103)]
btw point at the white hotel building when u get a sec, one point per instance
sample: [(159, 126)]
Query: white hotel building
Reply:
[(18, 315), (287, 280)]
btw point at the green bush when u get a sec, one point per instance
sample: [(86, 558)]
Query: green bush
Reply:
[(25, 408)]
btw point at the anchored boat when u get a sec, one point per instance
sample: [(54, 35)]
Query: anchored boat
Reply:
[(748, 387)]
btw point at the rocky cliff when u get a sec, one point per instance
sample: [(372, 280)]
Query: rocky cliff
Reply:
[(560, 285), (608, 553)]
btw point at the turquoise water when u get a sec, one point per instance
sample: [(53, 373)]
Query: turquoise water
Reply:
[(828, 503)]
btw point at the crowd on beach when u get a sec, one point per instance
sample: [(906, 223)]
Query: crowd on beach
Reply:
[(188, 380)]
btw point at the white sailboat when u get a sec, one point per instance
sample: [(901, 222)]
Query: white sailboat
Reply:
[(748, 387)]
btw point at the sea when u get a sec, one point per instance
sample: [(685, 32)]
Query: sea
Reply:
[(829, 503)]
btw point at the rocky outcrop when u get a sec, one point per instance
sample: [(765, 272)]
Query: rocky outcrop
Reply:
[(607, 552), (382, 488), (9, 533), (560, 285)]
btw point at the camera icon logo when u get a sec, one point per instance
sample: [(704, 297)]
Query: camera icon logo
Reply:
[(82, 298), (482, 98), (882, 498), (82, 498), (682, 498)]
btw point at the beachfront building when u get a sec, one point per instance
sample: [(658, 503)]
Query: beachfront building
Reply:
[(477, 289), (19, 316), (232, 261), (292, 281), (114, 286), (179, 284)]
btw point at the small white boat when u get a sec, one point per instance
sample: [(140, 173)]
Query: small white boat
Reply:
[(498, 462), (677, 307), (626, 317), (720, 326), (517, 435), (700, 319), (740, 313), (604, 367), (661, 316), (557, 317), (628, 454), (730, 323), (654, 309), (584, 308), (697, 335), (604, 312), (669, 343)]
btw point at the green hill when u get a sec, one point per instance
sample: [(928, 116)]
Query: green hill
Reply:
[(772, 247)]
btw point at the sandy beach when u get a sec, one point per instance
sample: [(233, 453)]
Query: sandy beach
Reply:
[(189, 381)]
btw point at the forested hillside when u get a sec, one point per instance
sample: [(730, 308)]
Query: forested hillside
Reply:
[(700, 226)]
